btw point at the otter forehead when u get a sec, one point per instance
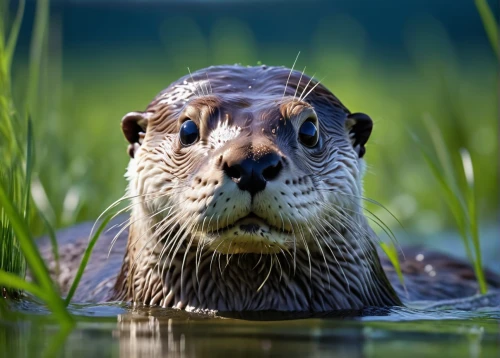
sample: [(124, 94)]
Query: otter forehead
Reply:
[(245, 87)]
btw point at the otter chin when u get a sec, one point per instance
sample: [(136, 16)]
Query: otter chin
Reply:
[(245, 190), (250, 234)]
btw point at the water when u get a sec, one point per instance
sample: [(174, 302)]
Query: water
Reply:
[(115, 330)]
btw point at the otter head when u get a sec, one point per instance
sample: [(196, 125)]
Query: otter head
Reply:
[(232, 161), (262, 163)]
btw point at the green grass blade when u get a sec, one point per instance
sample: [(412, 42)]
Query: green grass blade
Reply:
[(11, 280), (382, 225), (489, 23), (36, 49), (56, 343), (28, 168), (443, 155), (34, 259), (447, 179), (53, 240), (11, 256), (25, 240), (391, 251), (374, 202), (468, 168), (460, 200), (85, 258), (451, 200), (14, 32)]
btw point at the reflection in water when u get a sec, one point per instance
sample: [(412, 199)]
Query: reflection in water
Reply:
[(160, 332), (197, 336), (156, 332), (175, 339), (140, 338)]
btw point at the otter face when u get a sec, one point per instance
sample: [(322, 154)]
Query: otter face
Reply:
[(245, 161)]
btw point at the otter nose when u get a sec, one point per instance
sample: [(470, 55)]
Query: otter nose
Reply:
[(252, 174)]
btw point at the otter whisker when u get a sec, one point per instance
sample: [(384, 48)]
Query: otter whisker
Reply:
[(160, 225), (215, 251), (227, 220), (268, 273), (306, 247), (203, 224), (200, 249), (375, 219), (328, 246), (282, 223), (276, 259), (298, 83), (208, 79), (129, 207), (348, 246), (291, 70), (354, 236), (229, 256), (198, 252), (307, 85), (321, 249), (113, 205), (258, 261), (194, 82), (373, 201), (285, 254), (316, 85), (177, 241), (177, 237), (140, 251), (218, 225), (294, 246), (184, 259), (131, 222), (219, 254), (205, 87)]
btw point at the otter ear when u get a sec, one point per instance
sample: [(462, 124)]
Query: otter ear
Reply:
[(359, 126), (134, 126)]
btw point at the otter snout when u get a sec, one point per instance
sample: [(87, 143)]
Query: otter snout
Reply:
[(252, 174)]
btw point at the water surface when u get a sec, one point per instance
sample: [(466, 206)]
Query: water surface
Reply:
[(117, 330)]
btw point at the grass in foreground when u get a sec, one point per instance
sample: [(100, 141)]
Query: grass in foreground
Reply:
[(18, 247), (456, 177), (457, 183), (489, 23), (16, 158)]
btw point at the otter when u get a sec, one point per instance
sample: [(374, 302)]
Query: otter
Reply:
[(245, 190)]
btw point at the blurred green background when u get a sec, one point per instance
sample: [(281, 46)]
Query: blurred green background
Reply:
[(398, 61)]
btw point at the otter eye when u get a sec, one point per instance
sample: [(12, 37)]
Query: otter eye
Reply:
[(308, 134), (189, 133)]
